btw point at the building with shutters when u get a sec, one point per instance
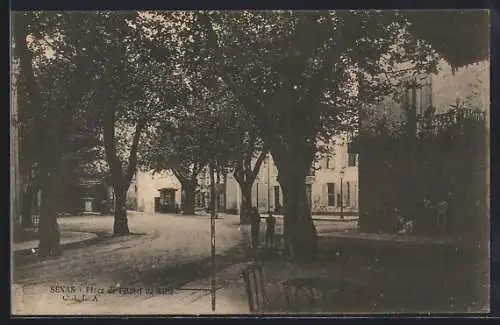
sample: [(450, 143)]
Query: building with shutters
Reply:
[(335, 182), (327, 187), (150, 189), (162, 192), (434, 147)]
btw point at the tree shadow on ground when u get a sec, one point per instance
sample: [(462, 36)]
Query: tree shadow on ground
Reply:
[(175, 277), (26, 257), (399, 278), (413, 278)]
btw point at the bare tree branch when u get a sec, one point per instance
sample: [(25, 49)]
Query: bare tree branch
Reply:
[(258, 163), (181, 176), (110, 145), (132, 161)]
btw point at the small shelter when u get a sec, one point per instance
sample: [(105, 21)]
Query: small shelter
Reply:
[(165, 203)]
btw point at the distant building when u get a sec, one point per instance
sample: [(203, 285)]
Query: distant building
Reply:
[(335, 182), (203, 192), (324, 186), (430, 95), (396, 176), (147, 188)]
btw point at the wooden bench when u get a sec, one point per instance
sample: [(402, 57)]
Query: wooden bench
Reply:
[(255, 287)]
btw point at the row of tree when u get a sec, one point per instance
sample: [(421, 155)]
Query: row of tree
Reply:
[(180, 90)]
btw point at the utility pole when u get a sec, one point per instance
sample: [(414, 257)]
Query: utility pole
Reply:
[(212, 232), (341, 194), (268, 184)]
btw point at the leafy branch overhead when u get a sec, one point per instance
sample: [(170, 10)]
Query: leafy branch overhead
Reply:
[(283, 76), (179, 90)]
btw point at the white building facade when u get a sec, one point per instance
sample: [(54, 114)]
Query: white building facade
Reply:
[(333, 185), (332, 188), (147, 186)]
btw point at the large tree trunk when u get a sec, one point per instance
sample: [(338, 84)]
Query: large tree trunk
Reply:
[(189, 188), (246, 203), (27, 201), (48, 231), (27, 91), (299, 228), (245, 175), (120, 225), (121, 178)]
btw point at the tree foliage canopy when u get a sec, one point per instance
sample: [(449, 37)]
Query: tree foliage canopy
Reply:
[(300, 88)]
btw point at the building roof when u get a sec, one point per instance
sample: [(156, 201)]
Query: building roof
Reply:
[(460, 36), (89, 180), (167, 189)]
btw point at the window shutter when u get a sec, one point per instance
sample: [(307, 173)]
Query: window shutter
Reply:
[(354, 195), (324, 194), (348, 189), (334, 194), (344, 194)]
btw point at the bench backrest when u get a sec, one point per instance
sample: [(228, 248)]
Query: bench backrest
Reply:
[(255, 287)]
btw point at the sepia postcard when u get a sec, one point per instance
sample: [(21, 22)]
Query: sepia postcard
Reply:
[(250, 162)]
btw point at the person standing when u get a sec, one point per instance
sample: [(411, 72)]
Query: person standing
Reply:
[(255, 227), (270, 226)]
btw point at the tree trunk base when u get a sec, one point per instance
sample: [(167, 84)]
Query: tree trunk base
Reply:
[(246, 203), (244, 220), (120, 226), (245, 216), (302, 243), (189, 202), (298, 224), (49, 244)]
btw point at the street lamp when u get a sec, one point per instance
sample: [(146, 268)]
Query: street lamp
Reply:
[(268, 185), (213, 216), (341, 193)]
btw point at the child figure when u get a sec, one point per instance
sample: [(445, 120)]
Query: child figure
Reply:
[(270, 225)]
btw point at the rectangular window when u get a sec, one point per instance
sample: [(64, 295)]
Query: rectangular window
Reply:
[(330, 160), (354, 194), (221, 202), (331, 194), (329, 163), (352, 160), (348, 194)]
